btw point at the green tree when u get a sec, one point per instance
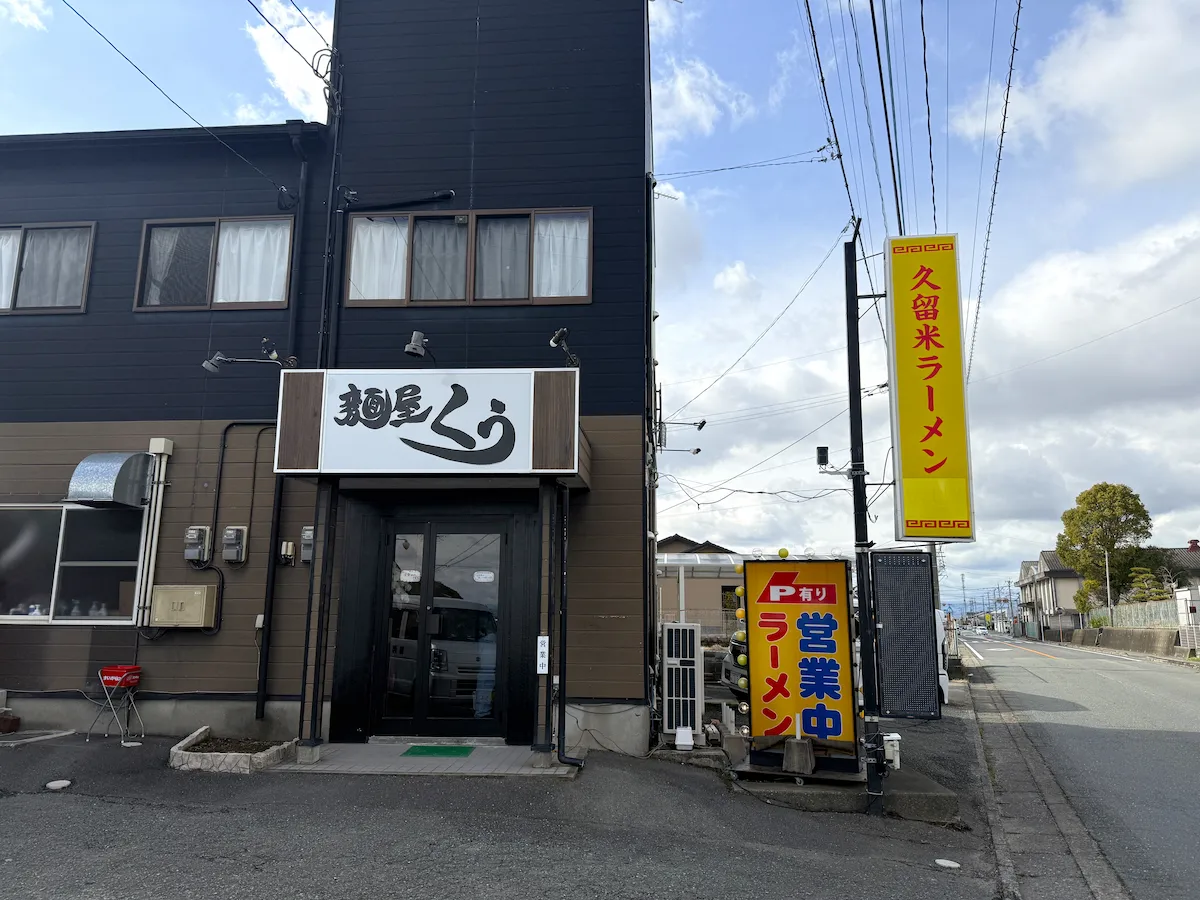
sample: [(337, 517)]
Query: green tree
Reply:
[(1090, 596), (1146, 586), (1105, 517)]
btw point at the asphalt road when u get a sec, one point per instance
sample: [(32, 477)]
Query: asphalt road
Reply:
[(1122, 738), (131, 828)]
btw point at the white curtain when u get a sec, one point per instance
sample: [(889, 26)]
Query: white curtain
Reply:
[(162, 251), (252, 261), (53, 268), (10, 241), (378, 257), (439, 260), (502, 258), (560, 255)]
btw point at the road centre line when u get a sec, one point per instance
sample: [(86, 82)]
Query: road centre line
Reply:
[(1028, 650)]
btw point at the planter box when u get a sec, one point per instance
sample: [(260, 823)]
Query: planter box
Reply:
[(9, 724), (238, 763)]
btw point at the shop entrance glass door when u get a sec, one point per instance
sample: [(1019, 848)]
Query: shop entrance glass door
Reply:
[(443, 638)]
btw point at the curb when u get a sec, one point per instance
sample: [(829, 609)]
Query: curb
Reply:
[(239, 763), (1006, 871)]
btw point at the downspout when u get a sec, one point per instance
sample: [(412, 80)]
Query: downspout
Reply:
[(649, 464), (327, 293), (562, 636), (264, 653)]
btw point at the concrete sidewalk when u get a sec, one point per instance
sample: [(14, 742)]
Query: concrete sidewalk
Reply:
[(1043, 850)]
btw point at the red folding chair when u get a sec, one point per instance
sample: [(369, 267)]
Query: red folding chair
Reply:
[(119, 684)]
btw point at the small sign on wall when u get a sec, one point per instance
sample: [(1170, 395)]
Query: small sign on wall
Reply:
[(543, 654)]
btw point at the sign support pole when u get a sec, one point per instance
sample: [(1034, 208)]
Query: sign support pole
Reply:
[(872, 742)]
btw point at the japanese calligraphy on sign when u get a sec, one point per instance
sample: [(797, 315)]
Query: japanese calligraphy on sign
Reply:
[(425, 421), (800, 647), (927, 387)]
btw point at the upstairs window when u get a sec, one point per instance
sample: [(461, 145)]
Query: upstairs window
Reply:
[(527, 256), (215, 263), (44, 268)]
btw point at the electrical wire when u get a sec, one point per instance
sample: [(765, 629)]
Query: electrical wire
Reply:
[(778, 362), (893, 93), (828, 106), (770, 325), (311, 63), (928, 115), (862, 81), (278, 187), (1094, 340), (790, 159), (305, 17), (987, 235), (906, 110), (782, 449), (887, 125), (987, 108)]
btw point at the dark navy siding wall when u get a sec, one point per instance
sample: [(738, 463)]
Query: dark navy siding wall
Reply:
[(510, 104), (110, 363)]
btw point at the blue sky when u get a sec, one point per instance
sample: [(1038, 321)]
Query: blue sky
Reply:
[(1097, 226)]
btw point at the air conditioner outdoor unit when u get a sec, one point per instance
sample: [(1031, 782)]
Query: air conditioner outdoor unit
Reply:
[(682, 678)]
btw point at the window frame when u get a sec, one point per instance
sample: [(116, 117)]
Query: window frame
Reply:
[(472, 224), (25, 228), (66, 509), (209, 305)]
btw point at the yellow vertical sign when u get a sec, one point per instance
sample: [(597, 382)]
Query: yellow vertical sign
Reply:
[(800, 639), (927, 386)]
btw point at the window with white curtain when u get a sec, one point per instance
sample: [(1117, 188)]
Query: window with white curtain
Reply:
[(561, 254), (44, 267), (502, 257), (513, 256), (252, 261), (216, 262), (378, 258), (440, 258)]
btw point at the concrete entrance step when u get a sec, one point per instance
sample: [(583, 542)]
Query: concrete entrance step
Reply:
[(408, 740)]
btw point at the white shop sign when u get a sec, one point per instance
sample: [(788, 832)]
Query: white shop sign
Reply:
[(414, 421)]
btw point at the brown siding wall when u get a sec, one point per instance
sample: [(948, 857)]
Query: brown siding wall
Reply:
[(36, 461), (605, 577), (607, 540)]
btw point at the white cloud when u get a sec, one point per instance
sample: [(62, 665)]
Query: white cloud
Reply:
[(248, 113), (1122, 85), (301, 89), (736, 282), (27, 13), (665, 16), (787, 61), (678, 239), (691, 99)]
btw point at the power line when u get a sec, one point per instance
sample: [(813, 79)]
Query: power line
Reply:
[(304, 16), (308, 62), (828, 107), (788, 160), (887, 125), (771, 325), (987, 106), (928, 114), (862, 81), (899, 135), (1090, 342), (947, 105), (783, 449), (987, 235), (778, 362), (907, 120), (278, 187)]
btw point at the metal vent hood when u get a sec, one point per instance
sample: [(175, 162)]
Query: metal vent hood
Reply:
[(111, 479)]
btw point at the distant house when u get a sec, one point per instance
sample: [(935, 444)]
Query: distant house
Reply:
[(709, 583), (1048, 587)]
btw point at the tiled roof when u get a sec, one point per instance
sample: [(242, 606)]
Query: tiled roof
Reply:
[(1055, 566), (1182, 558)]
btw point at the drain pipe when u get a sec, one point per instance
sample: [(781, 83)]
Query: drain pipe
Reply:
[(565, 493)]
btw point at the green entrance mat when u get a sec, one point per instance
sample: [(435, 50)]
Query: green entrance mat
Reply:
[(436, 750)]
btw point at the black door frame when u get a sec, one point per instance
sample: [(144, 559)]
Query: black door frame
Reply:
[(420, 722), (367, 555)]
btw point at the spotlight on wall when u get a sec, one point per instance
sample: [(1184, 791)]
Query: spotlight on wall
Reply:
[(559, 339), (213, 364), (418, 346)]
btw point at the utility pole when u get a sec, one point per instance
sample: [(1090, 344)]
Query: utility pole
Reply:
[(1012, 627), (964, 590), (868, 634)]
